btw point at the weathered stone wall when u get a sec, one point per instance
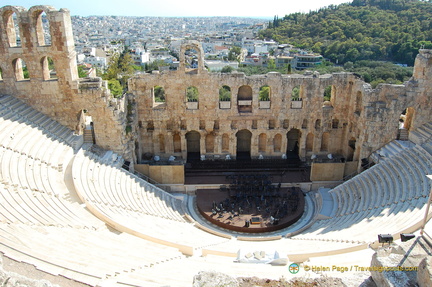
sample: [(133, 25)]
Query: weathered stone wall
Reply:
[(63, 96), (369, 118), (356, 115)]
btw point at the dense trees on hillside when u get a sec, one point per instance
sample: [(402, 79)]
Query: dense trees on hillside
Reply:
[(391, 30)]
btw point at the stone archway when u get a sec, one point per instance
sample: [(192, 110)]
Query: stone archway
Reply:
[(244, 98), (293, 139), (193, 139), (244, 145)]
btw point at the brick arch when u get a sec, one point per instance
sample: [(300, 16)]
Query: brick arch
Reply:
[(9, 24), (17, 65), (45, 65), (35, 13), (200, 54)]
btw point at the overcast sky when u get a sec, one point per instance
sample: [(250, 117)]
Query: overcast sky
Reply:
[(181, 7)]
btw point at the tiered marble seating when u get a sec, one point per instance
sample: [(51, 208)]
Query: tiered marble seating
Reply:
[(137, 207), (42, 221), (422, 134), (390, 149), (394, 194)]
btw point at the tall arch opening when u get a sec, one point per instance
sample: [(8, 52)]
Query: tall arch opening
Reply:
[(193, 139), (43, 32), (191, 57), (12, 29), (244, 98), (20, 69), (293, 138), (48, 69), (244, 145)]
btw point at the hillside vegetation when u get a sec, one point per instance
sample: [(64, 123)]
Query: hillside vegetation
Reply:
[(380, 30)]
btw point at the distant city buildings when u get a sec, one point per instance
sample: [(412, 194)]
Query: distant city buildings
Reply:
[(151, 39)]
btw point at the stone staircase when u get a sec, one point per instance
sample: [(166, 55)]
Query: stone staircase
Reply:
[(88, 136)]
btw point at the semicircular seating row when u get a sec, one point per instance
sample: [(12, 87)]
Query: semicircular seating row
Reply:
[(41, 223), (126, 201), (388, 198)]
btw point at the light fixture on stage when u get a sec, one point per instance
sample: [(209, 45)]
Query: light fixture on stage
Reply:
[(406, 236), (385, 238)]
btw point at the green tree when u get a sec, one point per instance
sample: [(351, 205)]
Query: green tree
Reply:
[(225, 93), (227, 69), (192, 94), (81, 72), (115, 88), (264, 93), (159, 94), (234, 54), (271, 65)]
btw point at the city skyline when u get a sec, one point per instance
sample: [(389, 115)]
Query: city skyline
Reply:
[(172, 8)]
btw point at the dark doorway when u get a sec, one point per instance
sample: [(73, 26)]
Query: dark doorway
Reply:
[(244, 145), (193, 139), (293, 137)]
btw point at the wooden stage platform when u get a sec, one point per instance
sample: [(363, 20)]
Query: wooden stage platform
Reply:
[(273, 210)]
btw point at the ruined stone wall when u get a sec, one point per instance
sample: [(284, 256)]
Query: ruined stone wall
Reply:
[(355, 116), (273, 119), (356, 121), (61, 96)]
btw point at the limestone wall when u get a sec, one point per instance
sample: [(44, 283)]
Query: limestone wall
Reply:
[(356, 121), (24, 48)]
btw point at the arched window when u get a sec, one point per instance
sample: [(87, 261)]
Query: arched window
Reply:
[(225, 97), (264, 93), (1, 74), (244, 98), (48, 68), (43, 32), (13, 29), (192, 94), (158, 94), (225, 94), (296, 97), (20, 69), (330, 94), (296, 94)]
